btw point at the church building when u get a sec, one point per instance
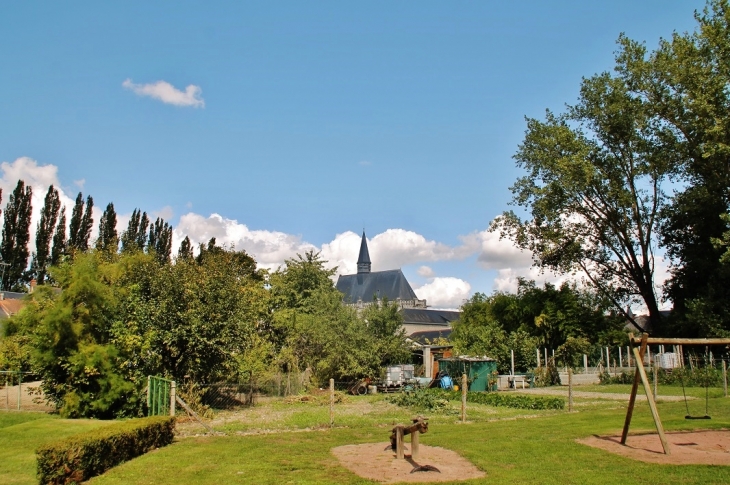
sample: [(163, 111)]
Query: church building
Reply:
[(367, 287)]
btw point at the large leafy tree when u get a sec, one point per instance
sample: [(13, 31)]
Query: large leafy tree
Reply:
[(44, 234), (684, 84), (594, 191), (16, 235)]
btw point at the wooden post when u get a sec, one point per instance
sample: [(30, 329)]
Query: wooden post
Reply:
[(724, 377), (585, 363), (538, 357), (20, 381), (656, 377), (570, 389), (414, 444), (399, 454), (463, 397), (173, 394), (546, 359), (149, 396), (620, 358), (512, 368), (635, 387), (332, 404), (652, 405)]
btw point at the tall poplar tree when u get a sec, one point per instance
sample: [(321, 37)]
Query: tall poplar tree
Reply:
[(160, 240), (135, 237), (75, 224), (108, 239), (59, 239), (44, 234), (16, 235), (186, 250)]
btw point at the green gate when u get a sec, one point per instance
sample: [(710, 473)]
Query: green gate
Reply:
[(160, 396)]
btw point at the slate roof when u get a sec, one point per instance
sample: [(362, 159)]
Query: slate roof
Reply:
[(363, 286), (363, 260), (425, 316)]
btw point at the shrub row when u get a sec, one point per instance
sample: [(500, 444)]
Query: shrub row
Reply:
[(519, 401), (691, 377), (80, 457)]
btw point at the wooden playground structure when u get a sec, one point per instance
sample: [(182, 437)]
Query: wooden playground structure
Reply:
[(640, 375)]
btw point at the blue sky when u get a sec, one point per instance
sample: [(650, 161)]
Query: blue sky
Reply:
[(306, 121)]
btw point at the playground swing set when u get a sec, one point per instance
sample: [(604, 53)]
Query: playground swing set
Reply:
[(640, 375)]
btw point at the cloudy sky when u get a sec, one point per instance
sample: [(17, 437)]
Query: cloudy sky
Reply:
[(287, 126)]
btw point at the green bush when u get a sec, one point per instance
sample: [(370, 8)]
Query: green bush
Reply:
[(691, 377), (519, 401), (434, 400), (80, 457)]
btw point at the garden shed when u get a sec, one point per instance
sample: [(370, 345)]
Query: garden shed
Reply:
[(477, 369)]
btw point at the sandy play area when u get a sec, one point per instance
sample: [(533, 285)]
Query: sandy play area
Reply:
[(686, 448), (376, 461)]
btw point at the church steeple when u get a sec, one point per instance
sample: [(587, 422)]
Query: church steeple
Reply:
[(363, 261)]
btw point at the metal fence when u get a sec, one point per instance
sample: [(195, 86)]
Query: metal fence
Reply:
[(232, 394), (19, 391)]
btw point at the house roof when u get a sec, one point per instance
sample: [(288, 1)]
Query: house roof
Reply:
[(391, 284), (426, 316), (9, 308)]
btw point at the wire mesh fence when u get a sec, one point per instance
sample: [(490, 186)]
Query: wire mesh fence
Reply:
[(20, 391)]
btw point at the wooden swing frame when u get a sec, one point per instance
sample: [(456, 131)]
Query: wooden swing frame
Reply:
[(640, 375)]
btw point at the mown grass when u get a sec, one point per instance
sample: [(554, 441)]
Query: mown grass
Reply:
[(511, 445), (20, 435)]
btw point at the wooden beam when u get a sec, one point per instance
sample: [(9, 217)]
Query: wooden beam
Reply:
[(681, 341), (634, 388), (652, 405)]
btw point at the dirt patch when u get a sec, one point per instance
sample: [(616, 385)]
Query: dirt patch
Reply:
[(686, 448), (376, 461)]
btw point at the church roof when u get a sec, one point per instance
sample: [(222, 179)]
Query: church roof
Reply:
[(391, 284)]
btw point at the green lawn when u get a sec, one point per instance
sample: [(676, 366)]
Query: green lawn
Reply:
[(512, 446), (20, 435)]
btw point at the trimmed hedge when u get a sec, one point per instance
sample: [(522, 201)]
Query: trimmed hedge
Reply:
[(80, 457)]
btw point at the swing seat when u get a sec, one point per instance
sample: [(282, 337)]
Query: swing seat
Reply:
[(697, 417)]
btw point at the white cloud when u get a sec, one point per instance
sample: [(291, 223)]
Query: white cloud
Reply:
[(80, 183), (269, 248), (166, 213), (445, 292), (426, 272), (167, 93)]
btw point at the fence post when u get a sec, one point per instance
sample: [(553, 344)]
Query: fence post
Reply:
[(20, 383), (463, 397), (570, 389), (656, 378), (538, 357), (585, 363), (332, 403), (149, 395), (173, 393), (724, 377), (620, 358)]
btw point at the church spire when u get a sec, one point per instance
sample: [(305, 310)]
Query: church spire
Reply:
[(363, 261)]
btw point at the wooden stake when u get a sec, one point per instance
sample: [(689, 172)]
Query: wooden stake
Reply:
[(570, 389), (652, 406), (635, 386), (724, 377), (414, 444), (399, 454), (463, 397), (332, 404), (656, 377)]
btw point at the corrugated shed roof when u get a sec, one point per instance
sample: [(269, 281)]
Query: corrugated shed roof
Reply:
[(391, 284), (426, 316), (428, 336)]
